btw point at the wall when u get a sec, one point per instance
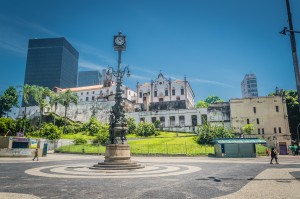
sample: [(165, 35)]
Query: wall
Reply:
[(268, 117)]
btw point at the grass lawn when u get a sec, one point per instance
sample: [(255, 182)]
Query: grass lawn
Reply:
[(167, 143)]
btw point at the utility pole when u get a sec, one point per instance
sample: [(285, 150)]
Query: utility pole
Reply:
[(294, 51)]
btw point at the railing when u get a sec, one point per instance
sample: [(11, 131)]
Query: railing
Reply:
[(142, 149)]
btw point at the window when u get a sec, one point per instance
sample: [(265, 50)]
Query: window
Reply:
[(153, 119), (279, 129), (123, 91), (178, 98), (155, 93), (141, 94), (257, 120), (262, 131), (93, 98), (162, 121), (81, 93), (182, 91), (248, 122), (254, 109), (142, 119), (93, 92), (87, 93), (87, 99), (166, 93), (181, 120), (172, 120), (173, 92), (258, 130), (277, 109), (275, 131), (161, 99)]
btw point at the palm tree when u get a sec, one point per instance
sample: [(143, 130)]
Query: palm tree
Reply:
[(54, 100), (27, 90), (66, 98), (40, 95)]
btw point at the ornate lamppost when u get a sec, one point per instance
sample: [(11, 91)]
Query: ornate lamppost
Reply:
[(117, 155), (117, 120)]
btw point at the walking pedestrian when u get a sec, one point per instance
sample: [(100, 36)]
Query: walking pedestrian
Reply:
[(36, 155), (274, 155)]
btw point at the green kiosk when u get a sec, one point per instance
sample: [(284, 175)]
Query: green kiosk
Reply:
[(236, 147)]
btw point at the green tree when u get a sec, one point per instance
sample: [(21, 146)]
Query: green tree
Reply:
[(40, 95), (8, 100), (248, 128), (131, 126), (27, 92), (207, 133), (201, 104), (55, 99), (213, 99), (66, 98), (7, 124), (292, 105)]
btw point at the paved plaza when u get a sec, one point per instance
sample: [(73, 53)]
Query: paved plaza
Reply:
[(69, 176)]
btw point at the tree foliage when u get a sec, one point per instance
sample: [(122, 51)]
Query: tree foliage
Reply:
[(213, 99), (95, 128), (201, 104), (207, 133), (66, 98), (50, 131), (292, 106), (8, 100), (248, 128), (7, 124)]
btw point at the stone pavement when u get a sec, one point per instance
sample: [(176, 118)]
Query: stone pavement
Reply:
[(163, 177)]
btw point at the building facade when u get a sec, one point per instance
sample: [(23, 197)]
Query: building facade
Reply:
[(268, 116), (51, 62), (219, 114), (89, 78), (249, 86), (165, 94), (183, 120)]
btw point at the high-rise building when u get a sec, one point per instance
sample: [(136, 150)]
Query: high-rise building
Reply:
[(89, 78), (51, 62), (249, 86)]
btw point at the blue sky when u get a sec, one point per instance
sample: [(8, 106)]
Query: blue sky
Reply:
[(214, 43)]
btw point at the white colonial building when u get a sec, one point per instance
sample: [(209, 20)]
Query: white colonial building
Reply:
[(165, 94), (184, 120)]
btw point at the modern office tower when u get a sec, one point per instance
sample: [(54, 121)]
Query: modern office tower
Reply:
[(89, 78), (249, 86), (51, 62)]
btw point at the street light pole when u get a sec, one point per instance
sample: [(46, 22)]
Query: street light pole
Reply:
[(294, 50), (298, 134)]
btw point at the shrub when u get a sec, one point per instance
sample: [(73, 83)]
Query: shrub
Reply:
[(79, 140), (157, 124), (131, 126), (145, 129), (35, 134), (207, 133), (93, 127), (50, 131)]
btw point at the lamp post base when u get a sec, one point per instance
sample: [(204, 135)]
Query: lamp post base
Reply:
[(117, 157)]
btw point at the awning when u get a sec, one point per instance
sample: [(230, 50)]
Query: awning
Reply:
[(239, 140)]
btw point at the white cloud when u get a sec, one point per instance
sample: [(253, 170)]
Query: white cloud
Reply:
[(89, 65), (205, 81)]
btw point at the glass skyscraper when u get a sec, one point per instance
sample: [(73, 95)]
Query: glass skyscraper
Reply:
[(89, 78), (51, 62), (249, 86)]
